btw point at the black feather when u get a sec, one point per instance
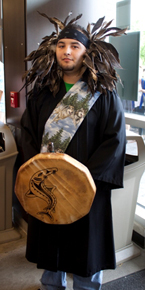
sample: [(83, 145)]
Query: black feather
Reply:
[(97, 24)]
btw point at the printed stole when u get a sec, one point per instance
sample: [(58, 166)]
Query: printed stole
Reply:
[(66, 118)]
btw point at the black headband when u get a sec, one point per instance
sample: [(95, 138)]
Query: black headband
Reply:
[(74, 34)]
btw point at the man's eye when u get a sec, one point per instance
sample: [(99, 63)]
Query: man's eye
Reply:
[(60, 46), (75, 46)]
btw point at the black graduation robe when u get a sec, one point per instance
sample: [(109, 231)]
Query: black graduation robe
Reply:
[(85, 246)]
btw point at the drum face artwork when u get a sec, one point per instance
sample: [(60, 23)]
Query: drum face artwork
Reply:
[(55, 188)]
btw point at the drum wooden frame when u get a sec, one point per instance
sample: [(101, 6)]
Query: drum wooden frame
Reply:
[(55, 188)]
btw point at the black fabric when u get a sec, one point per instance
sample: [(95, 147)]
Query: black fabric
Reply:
[(74, 34), (87, 245), (135, 281)]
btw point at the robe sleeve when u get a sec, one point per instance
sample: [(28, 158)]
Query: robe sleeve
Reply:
[(107, 162), (29, 135)]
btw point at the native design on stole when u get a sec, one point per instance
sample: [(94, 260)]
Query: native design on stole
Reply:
[(67, 117)]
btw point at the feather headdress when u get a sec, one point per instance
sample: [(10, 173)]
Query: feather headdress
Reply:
[(100, 60)]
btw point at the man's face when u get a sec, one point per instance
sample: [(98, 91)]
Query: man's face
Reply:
[(70, 54)]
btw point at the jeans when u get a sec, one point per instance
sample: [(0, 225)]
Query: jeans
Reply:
[(57, 281)]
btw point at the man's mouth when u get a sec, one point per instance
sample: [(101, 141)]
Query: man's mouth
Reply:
[(66, 59)]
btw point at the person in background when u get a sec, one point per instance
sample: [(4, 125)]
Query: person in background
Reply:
[(142, 90), (74, 105)]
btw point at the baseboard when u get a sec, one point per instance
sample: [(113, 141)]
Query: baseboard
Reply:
[(9, 235), (127, 253), (138, 239)]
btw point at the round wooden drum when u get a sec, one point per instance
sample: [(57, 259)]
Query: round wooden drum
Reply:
[(55, 188)]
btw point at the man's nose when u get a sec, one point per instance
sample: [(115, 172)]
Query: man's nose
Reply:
[(67, 50)]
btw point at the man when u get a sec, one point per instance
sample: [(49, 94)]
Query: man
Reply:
[(74, 70)]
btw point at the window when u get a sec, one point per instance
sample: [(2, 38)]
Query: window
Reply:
[(131, 12)]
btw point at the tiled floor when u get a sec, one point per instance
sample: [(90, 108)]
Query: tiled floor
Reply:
[(16, 273)]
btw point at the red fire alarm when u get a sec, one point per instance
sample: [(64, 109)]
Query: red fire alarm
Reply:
[(14, 99)]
